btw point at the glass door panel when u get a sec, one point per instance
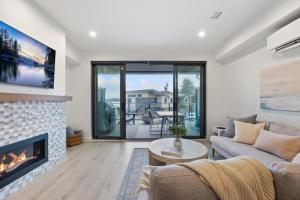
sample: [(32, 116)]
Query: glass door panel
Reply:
[(190, 99), (149, 90), (107, 102)]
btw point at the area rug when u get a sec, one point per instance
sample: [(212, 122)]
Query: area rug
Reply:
[(138, 159)]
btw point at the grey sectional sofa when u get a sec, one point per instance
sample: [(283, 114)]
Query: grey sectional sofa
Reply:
[(175, 182), (227, 148)]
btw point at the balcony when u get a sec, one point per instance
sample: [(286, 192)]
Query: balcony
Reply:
[(138, 121)]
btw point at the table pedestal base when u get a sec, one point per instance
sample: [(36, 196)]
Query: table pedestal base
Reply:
[(155, 162)]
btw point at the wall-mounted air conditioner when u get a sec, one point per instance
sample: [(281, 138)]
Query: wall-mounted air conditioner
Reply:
[(285, 38)]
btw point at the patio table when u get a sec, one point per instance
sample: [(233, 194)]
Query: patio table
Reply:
[(164, 115)]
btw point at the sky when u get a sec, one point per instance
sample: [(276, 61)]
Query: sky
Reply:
[(29, 46), (140, 82), (149, 81)]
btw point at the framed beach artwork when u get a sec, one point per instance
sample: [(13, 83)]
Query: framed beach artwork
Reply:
[(24, 60), (280, 87)]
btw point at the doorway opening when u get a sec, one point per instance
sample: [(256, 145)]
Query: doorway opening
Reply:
[(149, 91), (141, 100)]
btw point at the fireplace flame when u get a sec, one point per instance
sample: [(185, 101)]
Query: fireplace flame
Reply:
[(2, 167), (16, 160)]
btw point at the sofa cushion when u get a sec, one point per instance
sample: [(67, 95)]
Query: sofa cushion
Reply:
[(173, 182), (247, 133), (237, 149), (286, 180), (267, 123), (230, 127), (284, 129), (284, 146)]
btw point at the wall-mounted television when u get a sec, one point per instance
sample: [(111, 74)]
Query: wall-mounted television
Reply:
[(24, 60)]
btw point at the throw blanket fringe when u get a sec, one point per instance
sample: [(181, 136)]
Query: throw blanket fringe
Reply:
[(236, 178), (144, 178)]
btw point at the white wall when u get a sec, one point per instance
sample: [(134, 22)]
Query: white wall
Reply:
[(242, 90), (253, 36), (31, 20), (73, 55), (80, 115)]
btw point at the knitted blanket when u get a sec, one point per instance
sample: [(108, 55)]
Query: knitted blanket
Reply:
[(236, 178)]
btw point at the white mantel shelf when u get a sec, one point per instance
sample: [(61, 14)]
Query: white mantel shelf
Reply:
[(13, 97)]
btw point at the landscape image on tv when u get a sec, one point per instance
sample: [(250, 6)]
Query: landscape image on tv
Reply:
[(24, 60)]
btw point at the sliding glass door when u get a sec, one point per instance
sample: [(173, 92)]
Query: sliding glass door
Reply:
[(107, 106), (190, 99), (141, 100)]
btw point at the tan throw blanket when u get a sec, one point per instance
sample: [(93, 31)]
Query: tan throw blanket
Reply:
[(239, 178)]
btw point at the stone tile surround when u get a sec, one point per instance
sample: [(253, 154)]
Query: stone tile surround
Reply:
[(26, 119)]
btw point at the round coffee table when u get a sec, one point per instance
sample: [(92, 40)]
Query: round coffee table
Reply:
[(190, 150)]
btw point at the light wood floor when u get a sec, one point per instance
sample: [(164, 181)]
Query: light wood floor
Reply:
[(92, 171)]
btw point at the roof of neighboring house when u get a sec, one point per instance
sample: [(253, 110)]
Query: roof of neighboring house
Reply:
[(151, 91)]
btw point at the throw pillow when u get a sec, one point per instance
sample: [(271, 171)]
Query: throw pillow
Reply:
[(296, 159), (284, 146), (230, 127), (246, 132)]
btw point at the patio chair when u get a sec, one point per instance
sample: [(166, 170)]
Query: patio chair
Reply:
[(154, 121)]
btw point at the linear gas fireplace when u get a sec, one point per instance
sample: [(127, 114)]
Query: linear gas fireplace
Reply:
[(19, 158)]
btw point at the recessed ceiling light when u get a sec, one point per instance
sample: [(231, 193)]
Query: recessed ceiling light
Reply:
[(201, 34), (93, 34)]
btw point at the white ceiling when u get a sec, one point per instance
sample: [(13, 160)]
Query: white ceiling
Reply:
[(152, 24)]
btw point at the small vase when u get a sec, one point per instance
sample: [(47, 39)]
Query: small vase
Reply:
[(177, 143)]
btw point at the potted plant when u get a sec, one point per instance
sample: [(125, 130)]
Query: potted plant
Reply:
[(178, 131)]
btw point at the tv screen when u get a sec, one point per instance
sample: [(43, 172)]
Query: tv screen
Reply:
[(24, 60)]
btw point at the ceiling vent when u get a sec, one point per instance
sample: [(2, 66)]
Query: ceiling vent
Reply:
[(216, 15)]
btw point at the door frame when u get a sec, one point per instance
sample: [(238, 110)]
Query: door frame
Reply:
[(202, 70), (122, 64), (94, 92)]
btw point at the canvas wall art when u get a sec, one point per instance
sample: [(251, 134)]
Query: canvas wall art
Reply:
[(280, 88), (24, 60)]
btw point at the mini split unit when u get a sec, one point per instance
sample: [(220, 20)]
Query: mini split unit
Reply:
[(285, 38)]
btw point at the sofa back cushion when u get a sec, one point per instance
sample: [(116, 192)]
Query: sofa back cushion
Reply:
[(286, 180), (246, 132), (284, 129), (230, 127), (284, 146)]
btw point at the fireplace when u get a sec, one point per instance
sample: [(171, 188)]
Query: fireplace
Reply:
[(17, 159)]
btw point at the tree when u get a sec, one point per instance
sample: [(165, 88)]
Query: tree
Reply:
[(16, 48), (8, 45), (187, 87), (50, 57), (5, 41), (188, 90), (1, 40)]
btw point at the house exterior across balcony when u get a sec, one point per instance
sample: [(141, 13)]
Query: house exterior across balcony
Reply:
[(138, 100)]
